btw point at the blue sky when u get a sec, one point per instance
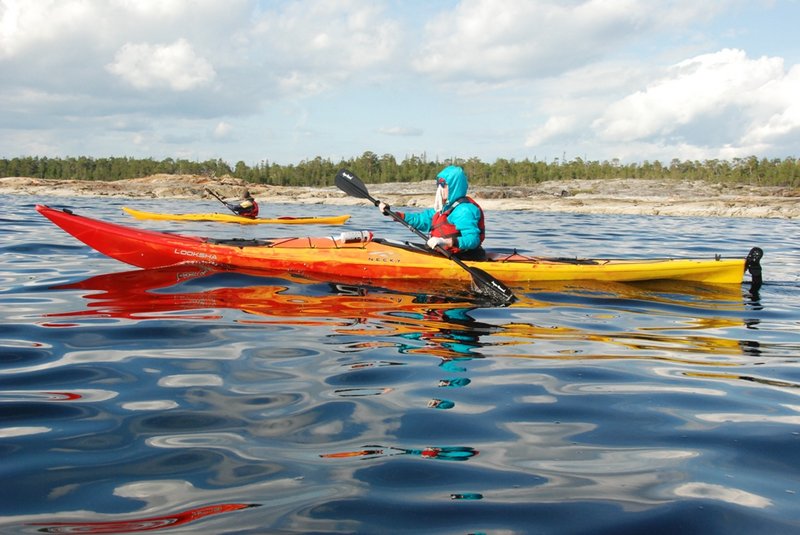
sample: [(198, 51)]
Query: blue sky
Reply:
[(287, 81)]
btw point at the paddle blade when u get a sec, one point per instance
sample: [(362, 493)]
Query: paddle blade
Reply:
[(349, 183), (491, 288)]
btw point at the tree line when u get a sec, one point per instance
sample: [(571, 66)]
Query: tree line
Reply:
[(374, 169)]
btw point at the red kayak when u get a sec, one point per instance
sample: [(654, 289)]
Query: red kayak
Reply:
[(357, 256)]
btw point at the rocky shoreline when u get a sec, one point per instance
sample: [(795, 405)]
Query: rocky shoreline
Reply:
[(615, 196)]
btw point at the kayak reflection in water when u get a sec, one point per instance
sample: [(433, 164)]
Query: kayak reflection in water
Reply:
[(455, 222), (444, 453), (142, 524)]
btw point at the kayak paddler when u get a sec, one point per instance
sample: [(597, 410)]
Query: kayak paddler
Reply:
[(246, 206), (455, 222)]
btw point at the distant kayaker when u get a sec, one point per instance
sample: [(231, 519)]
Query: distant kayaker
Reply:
[(246, 207), (456, 221)]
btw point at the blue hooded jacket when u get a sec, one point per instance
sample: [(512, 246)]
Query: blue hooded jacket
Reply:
[(464, 216)]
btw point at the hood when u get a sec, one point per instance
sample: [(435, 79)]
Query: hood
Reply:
[(456, 180)]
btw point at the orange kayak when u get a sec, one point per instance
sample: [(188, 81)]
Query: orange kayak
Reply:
[(357, 256)]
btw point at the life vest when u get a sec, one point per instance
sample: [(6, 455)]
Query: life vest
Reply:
[(250, 211), (442, 228)]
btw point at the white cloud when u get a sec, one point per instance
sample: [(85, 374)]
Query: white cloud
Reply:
[(222, 130), (301, 49), (176, 66), (24, 23), (157, 8), (351, 34), (737, 102), (781, 95), (723, 104), (554, 127), (523, 39), (570, 102), (400, 131), (698, 86)]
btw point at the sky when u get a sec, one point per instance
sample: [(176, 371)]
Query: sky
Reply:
[(292, 80)]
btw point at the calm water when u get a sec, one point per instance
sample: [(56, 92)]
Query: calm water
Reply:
[(198, 402)]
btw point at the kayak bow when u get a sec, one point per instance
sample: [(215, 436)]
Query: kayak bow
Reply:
[(356, 256), (231, 218)]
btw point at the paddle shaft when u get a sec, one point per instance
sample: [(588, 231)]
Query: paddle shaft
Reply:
[(415, 230), (421, 234), (220, 199)]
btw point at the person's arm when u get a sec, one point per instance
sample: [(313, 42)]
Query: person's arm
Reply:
[(242, 207), (420, 220)]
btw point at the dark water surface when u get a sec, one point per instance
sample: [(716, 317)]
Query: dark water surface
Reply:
[(187, 401)]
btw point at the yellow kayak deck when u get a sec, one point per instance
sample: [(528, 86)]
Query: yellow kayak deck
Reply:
[(232, 218)]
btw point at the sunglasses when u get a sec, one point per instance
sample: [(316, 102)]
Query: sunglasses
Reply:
[(441, 182)]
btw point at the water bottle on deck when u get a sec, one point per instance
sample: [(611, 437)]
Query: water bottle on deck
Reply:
[(355, 236)]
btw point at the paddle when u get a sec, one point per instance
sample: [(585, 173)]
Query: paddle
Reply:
[(484, 283), (220, 199)]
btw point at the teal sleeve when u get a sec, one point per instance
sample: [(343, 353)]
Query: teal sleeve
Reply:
[(420, 220)]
